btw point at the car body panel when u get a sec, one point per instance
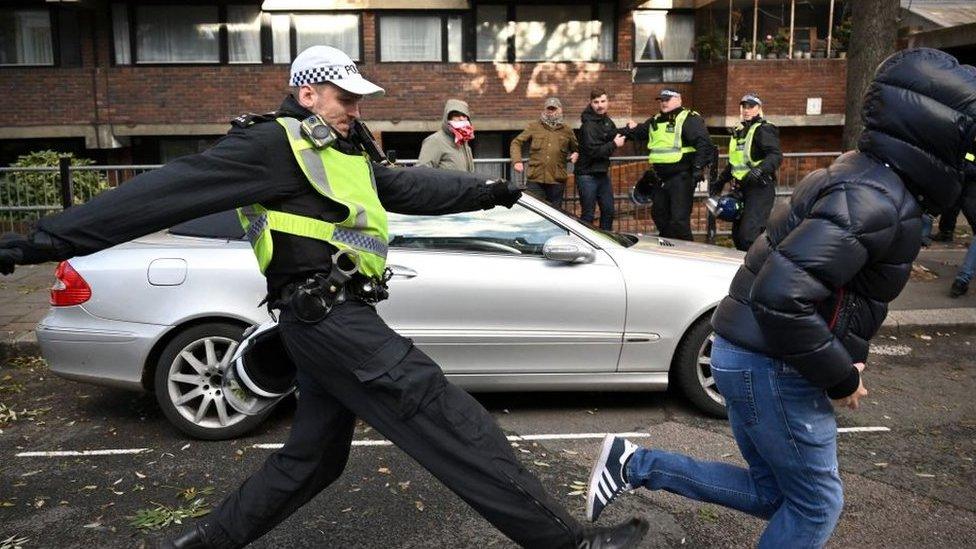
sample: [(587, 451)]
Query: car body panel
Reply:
[(494, 319)]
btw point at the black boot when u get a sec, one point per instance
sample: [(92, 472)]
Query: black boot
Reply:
[(943, 236), (190, 538), (626, 534), (959, 288)]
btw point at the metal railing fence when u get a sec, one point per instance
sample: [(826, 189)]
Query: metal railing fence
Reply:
[(26, 194)]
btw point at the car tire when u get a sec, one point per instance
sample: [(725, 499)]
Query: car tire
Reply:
[(692, 369), (187, 383)]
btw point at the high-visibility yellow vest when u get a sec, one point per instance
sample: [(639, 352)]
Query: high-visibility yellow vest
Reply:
[(343, 178), (664, 145), (740, 153)]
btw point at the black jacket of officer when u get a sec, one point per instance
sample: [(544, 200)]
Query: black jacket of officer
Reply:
[(765, 147), (815, 286), (693, 134), (252, 164)]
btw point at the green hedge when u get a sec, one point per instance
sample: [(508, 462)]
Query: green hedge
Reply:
[(44, 188)]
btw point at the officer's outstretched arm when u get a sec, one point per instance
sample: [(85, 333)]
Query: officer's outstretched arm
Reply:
[(228, 175), (428, 191)]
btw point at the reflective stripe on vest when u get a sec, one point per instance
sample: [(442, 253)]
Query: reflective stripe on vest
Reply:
[(971, 157), (740, 154), (344, 179), (664, 145)]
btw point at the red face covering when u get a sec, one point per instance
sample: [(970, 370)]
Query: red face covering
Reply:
[(463, 131)]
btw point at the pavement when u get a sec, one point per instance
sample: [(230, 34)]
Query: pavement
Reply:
[(925, 302)]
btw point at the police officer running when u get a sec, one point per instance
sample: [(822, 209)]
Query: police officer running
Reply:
[(308, 184), (754, 157), (679, 151)]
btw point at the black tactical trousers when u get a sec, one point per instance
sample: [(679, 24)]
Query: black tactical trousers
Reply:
[(757, 202), (352, 364), (671, 210)]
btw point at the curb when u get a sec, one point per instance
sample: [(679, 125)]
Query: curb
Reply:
[(963, 317), (896, 321)]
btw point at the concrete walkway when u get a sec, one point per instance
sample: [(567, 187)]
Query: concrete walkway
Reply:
[(924, 303)]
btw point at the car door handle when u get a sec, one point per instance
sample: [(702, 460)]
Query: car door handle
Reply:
[(403, 272)]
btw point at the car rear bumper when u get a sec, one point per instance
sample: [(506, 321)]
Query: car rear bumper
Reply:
[(83, 347)]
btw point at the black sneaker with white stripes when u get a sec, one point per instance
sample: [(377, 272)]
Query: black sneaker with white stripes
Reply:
[(607, 479)]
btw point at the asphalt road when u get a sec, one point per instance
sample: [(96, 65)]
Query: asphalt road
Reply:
[(912, 486)]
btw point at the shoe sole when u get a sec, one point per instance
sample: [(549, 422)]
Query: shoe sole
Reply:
[(595, 477)]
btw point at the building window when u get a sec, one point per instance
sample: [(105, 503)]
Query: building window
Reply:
[(169, 34), (177, 34), (25, 37), (581, 31), (244, 34), (340, 31), (664, 42), (420, 38)]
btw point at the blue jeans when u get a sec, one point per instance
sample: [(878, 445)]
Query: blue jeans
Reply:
[(786, 431), (593, 189), (968, 268)]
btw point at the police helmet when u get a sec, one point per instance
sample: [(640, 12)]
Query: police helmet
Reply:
[(642, 193), (260, 373), (726, 208)]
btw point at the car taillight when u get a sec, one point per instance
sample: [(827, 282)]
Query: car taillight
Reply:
[(70, 288)]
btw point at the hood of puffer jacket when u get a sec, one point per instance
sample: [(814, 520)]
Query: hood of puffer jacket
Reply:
[(920, 118), (452, 105)]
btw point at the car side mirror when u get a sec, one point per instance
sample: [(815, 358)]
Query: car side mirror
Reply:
[(568, 249)]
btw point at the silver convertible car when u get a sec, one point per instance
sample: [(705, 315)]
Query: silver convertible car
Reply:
[(521, 299)]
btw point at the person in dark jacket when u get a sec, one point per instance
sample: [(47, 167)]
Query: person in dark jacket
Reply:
[(754, 158), (793, 333), (349, 362), (679, 151), (598, 139)]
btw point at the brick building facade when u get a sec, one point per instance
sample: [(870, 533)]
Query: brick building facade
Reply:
[(85, 98)]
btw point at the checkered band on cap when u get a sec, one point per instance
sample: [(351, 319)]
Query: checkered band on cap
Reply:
[(325, 73)]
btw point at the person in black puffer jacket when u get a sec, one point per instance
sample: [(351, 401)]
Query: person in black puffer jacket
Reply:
[(793, 332)]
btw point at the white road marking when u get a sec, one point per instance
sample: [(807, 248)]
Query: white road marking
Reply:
[(381, 442), (890, 350), (73, 453), (862, 429)]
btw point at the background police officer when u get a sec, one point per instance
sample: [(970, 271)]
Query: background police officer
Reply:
[(679, 151), (311, 190), (754, 157)]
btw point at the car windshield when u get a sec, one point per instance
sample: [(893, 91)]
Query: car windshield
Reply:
[(518, 231)]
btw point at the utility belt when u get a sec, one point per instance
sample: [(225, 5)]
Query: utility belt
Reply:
[(310, 300)]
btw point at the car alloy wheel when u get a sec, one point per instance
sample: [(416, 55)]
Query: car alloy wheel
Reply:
[(187, 382), (705, 377), (194, 383), (691, 370)]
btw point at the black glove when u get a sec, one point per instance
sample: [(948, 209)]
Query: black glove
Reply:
[(10, 252), (504, 193), (697, 175), (715, 186), (755, 177)]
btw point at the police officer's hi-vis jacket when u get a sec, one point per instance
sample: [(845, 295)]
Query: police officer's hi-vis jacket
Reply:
[(676, 141), (256, 165), (753, 144)]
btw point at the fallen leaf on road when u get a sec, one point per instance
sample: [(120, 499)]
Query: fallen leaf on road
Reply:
[(140, 475), (31, 473), (419, 505), (383, 470), (346, 510), (924, 475), (571, 452), (881, 465), (185, 446), (541, 464), (404, 485)]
